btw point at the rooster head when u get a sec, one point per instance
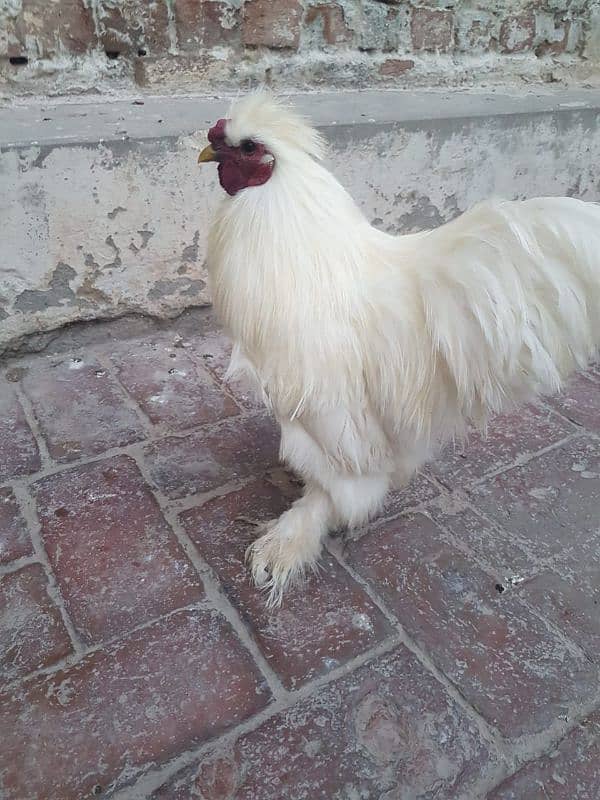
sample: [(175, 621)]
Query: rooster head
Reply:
[(259, 134)]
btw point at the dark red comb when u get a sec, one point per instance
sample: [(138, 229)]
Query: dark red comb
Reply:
[(217, 133)]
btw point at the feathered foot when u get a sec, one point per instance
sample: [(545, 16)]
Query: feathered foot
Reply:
[(290, 546)]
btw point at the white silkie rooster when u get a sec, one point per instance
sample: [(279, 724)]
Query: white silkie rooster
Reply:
[(374, 350)]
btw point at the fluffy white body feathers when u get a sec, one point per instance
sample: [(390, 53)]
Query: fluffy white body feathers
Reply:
[(374, 350)]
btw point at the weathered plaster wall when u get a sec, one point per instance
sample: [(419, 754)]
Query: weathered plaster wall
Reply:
[(97, 229)]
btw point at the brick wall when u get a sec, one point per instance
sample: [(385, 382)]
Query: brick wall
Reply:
[(68, 45)]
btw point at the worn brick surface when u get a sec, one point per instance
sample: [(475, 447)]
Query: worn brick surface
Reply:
[(168, 688), (569, 772), (319, 626), (275, 25), (206, 23), (505, 661), (509, 437), (571, 602), (504, 552), (80, 409), (499, 590), (552, 502), (170, 387), (328, 20), (15, 541), (19, 453), (47, 27), (203, 461), (115, 558), (431, 29), (580, 402), (516, 33), (394, 67), (214, 348), (388, 731), (32, 634), (132, 25), (419, 490)]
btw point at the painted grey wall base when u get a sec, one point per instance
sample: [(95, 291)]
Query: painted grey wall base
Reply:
[(104, 211)]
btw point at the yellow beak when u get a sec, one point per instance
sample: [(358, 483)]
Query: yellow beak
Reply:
[(208, 154)]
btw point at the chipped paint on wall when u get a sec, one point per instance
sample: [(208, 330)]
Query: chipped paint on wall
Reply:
[(104, 229)]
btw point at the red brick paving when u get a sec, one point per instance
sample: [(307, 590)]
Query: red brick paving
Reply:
[(214, 349), (171, 388), (511, 436), (19, 453), (117, 562), (502, 552), (32, 633), (579, 402), (298, 641), (162, 690), (572, 605), (388, 730), (79, 390), (569, 772), (420, 490), (502, 658), (552, 503), (492, 582), (15, 541), (203, 461)]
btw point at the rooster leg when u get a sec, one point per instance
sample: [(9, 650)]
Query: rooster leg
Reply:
[(291, 543)]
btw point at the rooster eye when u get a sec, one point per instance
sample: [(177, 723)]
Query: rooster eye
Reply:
[(248, 146)]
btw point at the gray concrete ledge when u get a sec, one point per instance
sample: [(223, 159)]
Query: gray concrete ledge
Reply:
[(109, 120)]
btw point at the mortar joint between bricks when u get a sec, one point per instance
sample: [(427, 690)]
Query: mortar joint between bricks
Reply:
[(28, 508), (129, 401), (18, 564), (30, 416), (212, 586), (490, 734), (153, 778), (526, 458), (528, 749), (157, 435), (574, 648), (75, 658)]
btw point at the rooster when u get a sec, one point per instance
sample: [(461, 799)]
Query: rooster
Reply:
[(374, 350)]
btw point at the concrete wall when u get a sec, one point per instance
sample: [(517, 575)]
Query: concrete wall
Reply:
[(107, 214), (75, 46)]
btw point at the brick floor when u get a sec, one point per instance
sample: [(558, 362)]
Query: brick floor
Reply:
[(569, 772), (170, 387), (510, 438), (551, 502), (204, 461), (572, 605), (503, 659), (432, 655), (388, 730), (15, 541), (117, 562), (163, 690), (19, 453), (79, 388), (579, 402), (32, 633), (298, 643)]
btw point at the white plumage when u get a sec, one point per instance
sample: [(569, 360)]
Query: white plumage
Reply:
[(374, 350)]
